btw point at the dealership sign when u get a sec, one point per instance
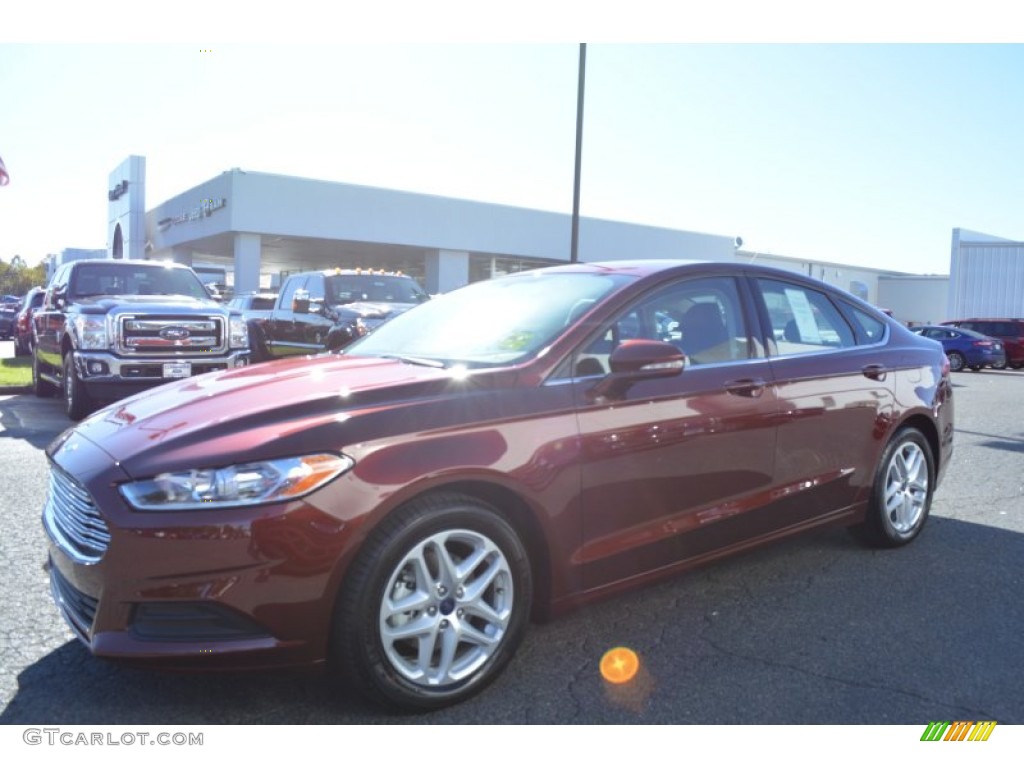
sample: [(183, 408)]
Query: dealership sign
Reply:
[(205, 208)]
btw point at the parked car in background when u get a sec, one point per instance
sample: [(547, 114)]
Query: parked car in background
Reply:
[(1009, 330), (256, 307), (23, 322), (258, 303), (8, 315), (503, 452), (964, 348), (109, 328), (325, 311)]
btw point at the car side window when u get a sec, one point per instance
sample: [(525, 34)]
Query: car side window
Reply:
[(803, 320), (870, 330), (702, 317)]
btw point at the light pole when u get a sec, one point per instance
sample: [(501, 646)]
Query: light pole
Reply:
[(574, 247)]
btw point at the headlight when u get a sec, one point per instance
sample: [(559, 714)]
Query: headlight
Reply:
[(240, 485), (238, 332), (92, 332)]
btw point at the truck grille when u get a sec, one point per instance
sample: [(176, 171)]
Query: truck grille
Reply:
[(169, 335), (72, 519)]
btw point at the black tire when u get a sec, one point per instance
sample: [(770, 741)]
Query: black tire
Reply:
[(901, 495), (999, 366), (956, 361), (258, 344), (77, 402), (40, 387), (482, 614)]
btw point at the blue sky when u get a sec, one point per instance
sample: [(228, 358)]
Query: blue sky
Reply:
[(860, 153)]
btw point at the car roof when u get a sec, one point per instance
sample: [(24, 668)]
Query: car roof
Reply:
[(133, 263)]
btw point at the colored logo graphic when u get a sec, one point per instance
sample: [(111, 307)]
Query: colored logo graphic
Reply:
[(960, 730)]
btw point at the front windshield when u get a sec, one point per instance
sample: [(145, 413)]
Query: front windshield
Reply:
[(346, 289), (143, 280), (496, 322)]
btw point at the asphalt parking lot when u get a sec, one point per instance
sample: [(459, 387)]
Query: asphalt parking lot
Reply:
[(816, 630)]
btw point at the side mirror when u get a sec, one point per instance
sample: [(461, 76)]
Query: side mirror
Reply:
[(300, 302), (638, 360)]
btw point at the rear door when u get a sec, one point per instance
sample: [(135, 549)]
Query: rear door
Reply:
[(834, 376)]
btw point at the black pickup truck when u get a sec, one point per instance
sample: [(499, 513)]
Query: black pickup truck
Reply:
[(109, 328), (325, 311)]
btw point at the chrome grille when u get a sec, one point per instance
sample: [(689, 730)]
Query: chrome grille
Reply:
[(72, 519), (185, 335)]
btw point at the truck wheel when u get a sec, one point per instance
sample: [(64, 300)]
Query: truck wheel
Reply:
[(40, 386), (77, 403), (258, 344)]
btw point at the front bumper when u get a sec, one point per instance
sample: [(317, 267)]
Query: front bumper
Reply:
[(242, 588), (106, 376)]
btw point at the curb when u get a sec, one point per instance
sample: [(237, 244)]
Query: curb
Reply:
[(25, 390)]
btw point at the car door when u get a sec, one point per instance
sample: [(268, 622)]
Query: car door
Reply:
[(48, 324), (313, 326), (835, 377), (676, 467), (283, 336)]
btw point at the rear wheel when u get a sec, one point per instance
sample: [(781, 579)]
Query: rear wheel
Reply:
[(435, 605), (956, 361), (1000, 365), (77, 402), (901, 496)]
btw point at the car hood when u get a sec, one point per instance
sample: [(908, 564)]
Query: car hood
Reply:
[(285, 407), (146, 303)]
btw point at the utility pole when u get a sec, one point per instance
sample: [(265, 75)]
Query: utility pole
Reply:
[(574, 248)]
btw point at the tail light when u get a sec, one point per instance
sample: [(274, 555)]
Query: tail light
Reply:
[(982, 343)]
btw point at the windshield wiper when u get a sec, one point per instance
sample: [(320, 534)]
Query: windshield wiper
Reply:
[(424, 361)]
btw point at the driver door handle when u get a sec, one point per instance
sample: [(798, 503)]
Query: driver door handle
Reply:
[(746, 387)]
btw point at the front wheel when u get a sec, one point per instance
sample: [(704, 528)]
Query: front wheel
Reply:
[(956, 361), (901, 495), (77, 402), (435, 605), (40, 386)]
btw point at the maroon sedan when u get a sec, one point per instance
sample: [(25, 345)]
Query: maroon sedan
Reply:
[(502, 453)]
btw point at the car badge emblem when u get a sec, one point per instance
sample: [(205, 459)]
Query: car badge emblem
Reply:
[(174, 333)]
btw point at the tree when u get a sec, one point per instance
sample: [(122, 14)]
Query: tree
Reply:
[(16, 278)]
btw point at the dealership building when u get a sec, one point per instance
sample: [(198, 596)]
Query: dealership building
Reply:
[(257, 227)]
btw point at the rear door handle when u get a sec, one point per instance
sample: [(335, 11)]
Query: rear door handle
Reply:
[(746, 387), (874, 371)]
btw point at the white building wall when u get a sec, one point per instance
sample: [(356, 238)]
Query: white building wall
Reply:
[(986, 276), (860, 281), (915, 300), (126, 208)]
